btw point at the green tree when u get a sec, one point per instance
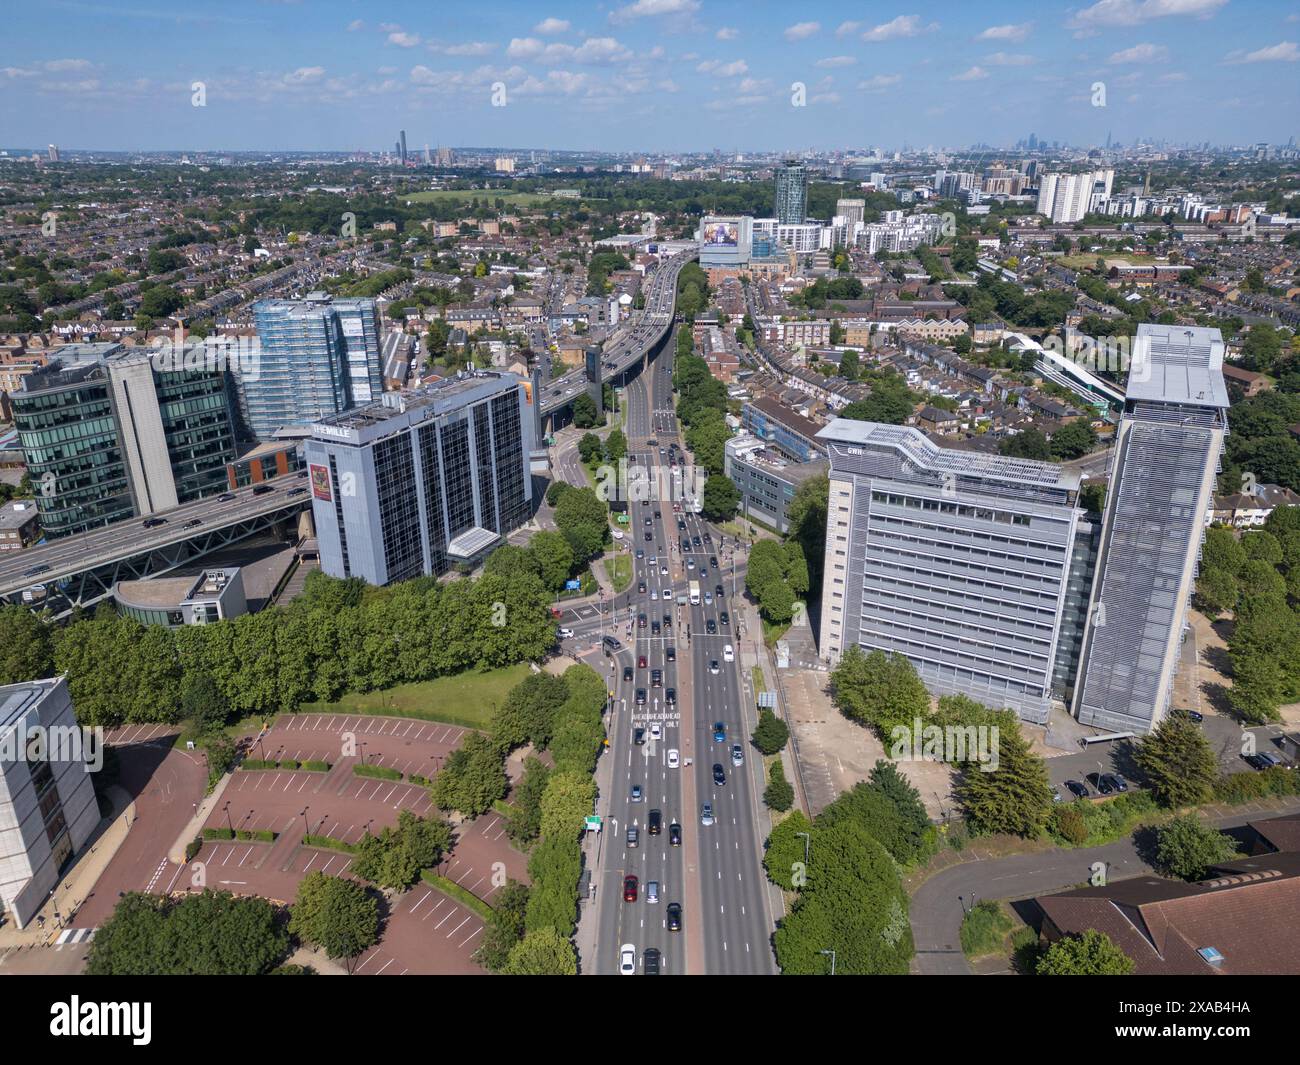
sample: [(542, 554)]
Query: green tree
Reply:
[(26, 646), (1187, 847), (771, 734), (1091, 954), (505, 926), (1178, 762), (583, 519), (335, 914), (720, 498), (201, 702), (779, 793), (1014, 797), (585, 414), (880, 690), (784, 856), (542, 952), (554, 557), (1027, 444)]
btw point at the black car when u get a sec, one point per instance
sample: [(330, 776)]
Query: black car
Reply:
[(262, 489), (656, 678), (1079, 791), (153, 523), (640, 697), (718, 592), (713, 561), (1195, 715), (674, 835), (1098, 781), (612, 643), (1114, 781), (719, 774), (641, 587), (654, 628), (695, 540), (193, 523), (668, 621), (655, 824), (674, 913), (627, 673), (710, 626), (650, 958), (670, 696), (297, 491), (638, 736), (725, 618), (708, 539), (649, 537), (640, 621), (670, 653), (225, 497)]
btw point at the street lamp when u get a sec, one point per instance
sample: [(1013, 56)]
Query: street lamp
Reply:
[(807, 842), (306, 828), (832, 954), (229, 824)]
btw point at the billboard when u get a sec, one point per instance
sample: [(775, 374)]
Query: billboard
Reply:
[(320, 483), (720, 232)]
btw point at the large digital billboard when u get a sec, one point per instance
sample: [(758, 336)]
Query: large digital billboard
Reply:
[(720, 232)]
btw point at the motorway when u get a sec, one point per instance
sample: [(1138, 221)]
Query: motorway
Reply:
[(71, 555), (626, 346), (716, 874)]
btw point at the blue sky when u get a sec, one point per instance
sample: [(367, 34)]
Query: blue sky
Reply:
[(655, 75)]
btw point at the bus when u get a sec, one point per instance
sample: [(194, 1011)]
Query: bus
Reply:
[(695, 593)]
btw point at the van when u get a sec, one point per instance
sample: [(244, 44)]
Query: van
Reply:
[(656, 821)]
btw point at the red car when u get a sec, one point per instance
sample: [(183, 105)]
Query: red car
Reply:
[(630, 889), (640, 661)]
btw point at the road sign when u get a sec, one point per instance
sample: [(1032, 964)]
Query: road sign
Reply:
[(592, 823)]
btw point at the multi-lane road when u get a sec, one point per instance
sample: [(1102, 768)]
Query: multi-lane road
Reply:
[(629, 344), (683, 680)]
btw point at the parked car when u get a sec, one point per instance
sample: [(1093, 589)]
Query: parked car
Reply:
[(1099, 782), (1114, 781), (1079, 791)]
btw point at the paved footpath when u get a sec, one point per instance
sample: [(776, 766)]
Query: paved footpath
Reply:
[(936, 910)]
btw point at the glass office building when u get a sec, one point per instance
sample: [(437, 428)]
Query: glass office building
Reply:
[(791, 193), (424, 480), (109, 433), (958, 560), (1162, 480), (317, 356)]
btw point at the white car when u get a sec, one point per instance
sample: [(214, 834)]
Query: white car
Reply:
[(667, 594), (627, 960), (656, 731), (673, 759), (728, 654), (663, 571), (708, 598), (654, 595), (565, 634)]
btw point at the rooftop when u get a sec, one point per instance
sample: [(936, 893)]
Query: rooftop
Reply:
[(1178, 364)]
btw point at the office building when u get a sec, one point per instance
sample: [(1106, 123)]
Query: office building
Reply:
[(777, 424), (422, 481), (110, 432), (401, 146), (319, 356), (766, 479), (209, 597), (791, 193), (20, 524), (1162, 480), (853, 211), (47, 802), (725, 241), (958, 560), (1068, 197)]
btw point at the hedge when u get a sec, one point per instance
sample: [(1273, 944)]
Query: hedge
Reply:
[(329, 843), (452, 889), (218, 833), (1274, 782), (255, 764), (379, 772), (193, 847), (415, 778), (256, 835)]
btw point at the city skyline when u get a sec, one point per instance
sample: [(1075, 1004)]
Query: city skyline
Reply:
[(652, 75)]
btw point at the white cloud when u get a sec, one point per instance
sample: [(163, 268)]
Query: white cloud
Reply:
[(902, 26), (403, 40), (355, 25), (844, 29), (837, 61), (724, 70), (1010, 32), (1010, 59), (304, 75), (1175, 76), (668, 85), (727, 33), (63, 65), (801, 30), (825, 98), (525, 48), (1136, 12), (879, 82), (593, 50), (470, 48), (973, 74), (1140, 53), (749, 86), (651, 8), (1282, 52), (552, 25)]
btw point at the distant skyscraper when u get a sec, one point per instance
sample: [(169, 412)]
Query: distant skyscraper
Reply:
[(402, 142), (1162, 483), (422, 480), (428, 159), (54, 153), (318, 356), (958, 560), (1068, 197), (791, 193)]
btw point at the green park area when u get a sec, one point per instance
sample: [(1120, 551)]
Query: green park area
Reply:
[(510, 199), (466, 699)]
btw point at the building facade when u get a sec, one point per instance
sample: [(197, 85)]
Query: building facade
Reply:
[(1162, 479), (408, 485), (791, 193), (957, 560), (110, 432), (318, 356), (792, 433), (212, 596), (47, 802)]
